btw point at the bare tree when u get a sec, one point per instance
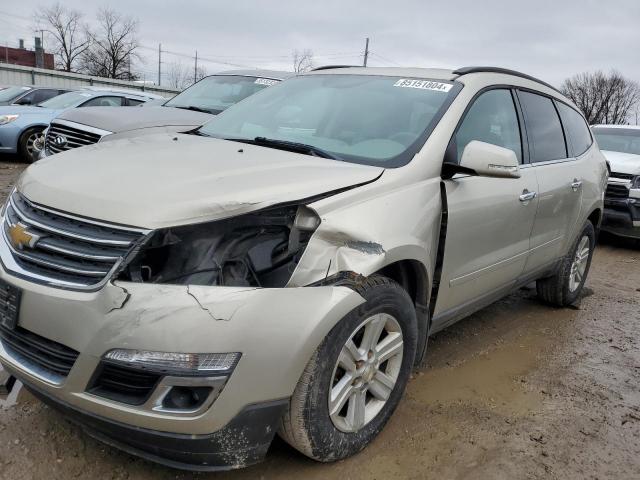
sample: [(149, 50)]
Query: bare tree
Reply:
[(603, 98), (201, 72), (113, 46), (182, 76), (302, 60), (65, 31), (179, 76)]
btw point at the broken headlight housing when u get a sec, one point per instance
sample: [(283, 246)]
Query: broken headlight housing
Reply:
[(259, 249)]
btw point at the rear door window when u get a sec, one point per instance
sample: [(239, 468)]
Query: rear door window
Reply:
[(492, 119), (544, 130), (576, 129), (132, 102), (104, 102)]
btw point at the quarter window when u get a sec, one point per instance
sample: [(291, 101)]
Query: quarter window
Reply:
[(492, 119), (544, 130), (576, 129)]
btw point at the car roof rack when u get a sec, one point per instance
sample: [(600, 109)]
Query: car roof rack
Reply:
[(506, 71), (329, 67)]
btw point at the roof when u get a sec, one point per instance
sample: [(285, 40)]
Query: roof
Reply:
[(138, 93), (626, 127), (434, 73), (272, 74)]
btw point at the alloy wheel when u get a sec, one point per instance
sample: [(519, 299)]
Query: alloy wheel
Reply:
[(366, 372), (579, 265)]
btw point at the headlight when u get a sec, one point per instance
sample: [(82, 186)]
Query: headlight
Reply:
[(4, 119), (175, 363), (258, 249)]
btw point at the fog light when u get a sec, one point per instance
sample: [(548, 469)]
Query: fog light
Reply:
[(175, 363), (185, 398)]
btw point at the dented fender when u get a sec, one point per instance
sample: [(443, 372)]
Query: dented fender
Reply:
[(401, 223)]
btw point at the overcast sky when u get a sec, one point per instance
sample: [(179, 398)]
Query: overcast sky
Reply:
[(550, 39)]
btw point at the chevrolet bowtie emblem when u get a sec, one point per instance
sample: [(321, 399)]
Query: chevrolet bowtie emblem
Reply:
[(20, 237)]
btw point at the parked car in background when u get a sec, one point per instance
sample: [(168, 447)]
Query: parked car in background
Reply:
[(29, 95), (279, 270), (21, 126), (187, 110), (620, 144)]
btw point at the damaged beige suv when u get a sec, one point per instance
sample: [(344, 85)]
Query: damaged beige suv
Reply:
[(185, 297)]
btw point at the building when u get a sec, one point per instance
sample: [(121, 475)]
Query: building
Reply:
[(27, 58)]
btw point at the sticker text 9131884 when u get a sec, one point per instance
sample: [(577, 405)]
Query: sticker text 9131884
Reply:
[(423, 84)]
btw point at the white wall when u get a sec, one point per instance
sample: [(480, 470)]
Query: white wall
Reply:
[(19, 75)]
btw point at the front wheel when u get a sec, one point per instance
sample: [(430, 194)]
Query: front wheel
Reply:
[(355, 379), (565, 286), (29, 150)]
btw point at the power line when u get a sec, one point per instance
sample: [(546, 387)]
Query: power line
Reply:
[(385, 59)]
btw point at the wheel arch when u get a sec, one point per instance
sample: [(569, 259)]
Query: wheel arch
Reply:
[(413, 277)]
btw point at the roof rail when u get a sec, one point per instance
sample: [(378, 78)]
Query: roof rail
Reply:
[(506, 71), (329, 67)]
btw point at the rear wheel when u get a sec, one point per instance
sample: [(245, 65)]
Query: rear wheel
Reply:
[(27, 144), (355, 379), (565, 286)]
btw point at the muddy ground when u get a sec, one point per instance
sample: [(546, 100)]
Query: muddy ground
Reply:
[(518, 390)]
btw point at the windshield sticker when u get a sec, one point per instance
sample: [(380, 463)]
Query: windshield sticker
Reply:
[(265, 81), (423, 84)]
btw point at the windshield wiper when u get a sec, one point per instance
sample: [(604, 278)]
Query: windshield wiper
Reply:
[(289, 146), (195, 109)]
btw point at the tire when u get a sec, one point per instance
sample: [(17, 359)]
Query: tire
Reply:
[(565, 286), (25, 144), (308, 425)]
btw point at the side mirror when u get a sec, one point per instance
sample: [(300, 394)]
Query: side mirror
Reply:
[(488, 160)]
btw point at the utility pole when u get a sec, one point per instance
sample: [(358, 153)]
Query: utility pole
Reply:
[(159, 62), (41, 38), (366, 53), (195, 69)]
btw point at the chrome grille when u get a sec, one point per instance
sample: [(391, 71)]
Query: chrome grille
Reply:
[(617, 190), (73, 137), (62, 249), (622, 176)]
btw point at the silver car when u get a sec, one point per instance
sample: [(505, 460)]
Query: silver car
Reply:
[(187, 296)]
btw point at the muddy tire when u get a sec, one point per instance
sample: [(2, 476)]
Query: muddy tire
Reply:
[(356, 377), (25, 144), (565, 286)]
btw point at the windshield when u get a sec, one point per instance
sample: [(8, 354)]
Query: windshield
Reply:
[(66, 100), (11, 93), (375, 120), (626, 140), (216, 93)]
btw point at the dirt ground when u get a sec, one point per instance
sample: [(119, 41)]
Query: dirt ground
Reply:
[(518, 390)]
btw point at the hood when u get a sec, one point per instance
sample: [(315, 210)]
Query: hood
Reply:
[(26, 110), (623, 162), (163, 180), (119, 119)]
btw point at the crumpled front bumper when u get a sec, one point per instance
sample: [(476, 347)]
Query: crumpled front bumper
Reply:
[(276, 330), (622, 215)]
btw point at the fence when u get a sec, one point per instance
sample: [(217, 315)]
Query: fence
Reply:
[(19, 75)]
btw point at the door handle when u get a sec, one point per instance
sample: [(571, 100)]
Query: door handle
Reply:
[(527, 196), (576, 184)]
